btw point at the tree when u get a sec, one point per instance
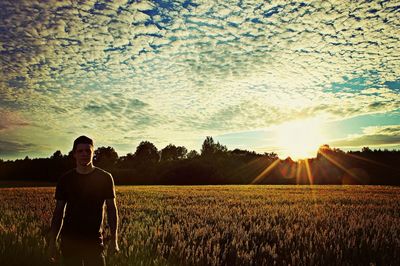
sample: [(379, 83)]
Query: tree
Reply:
[(71, 154), (323, 150), (210, 148), (57, 155), (146, 152), (172, 153), (105, 156), (182, 151), (337, 150), (192, 154), (271, 156), (366, 150), (126, 161), (325, 147), (240, 152)]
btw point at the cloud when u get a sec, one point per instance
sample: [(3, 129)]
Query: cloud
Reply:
[(12, 146), (13, 149), (151, 69), (372, 136), (10, 120)]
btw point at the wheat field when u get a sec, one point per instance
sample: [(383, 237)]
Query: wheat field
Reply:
[(224, 225)]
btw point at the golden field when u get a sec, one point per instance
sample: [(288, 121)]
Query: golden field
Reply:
[(224, 225)]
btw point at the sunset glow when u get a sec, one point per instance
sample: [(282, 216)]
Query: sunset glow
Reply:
[(300, 139)]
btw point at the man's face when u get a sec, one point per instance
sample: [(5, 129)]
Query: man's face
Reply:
[(83, 154)]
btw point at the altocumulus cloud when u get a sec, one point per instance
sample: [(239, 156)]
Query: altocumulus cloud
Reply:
[(372, 136), (13, 147), (151, 69), (10, 120)]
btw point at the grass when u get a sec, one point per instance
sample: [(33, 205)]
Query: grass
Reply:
[(224, 225)]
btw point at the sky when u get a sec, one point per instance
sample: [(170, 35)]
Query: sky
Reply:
[(269, 76)]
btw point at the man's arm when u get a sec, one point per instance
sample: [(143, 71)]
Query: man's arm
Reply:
[(112, 214), (56, 223)]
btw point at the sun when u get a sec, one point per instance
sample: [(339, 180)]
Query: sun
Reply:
[(300, 139)]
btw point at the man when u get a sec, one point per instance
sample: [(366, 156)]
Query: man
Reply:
[(81, 192)]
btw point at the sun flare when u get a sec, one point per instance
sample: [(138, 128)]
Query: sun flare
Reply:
[(300, 139)]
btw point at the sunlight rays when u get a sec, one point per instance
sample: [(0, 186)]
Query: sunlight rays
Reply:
[(309, 173), (298, 172), (265, 173), (347, 171)]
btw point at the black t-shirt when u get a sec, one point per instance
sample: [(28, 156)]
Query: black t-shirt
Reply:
[(85, 195)]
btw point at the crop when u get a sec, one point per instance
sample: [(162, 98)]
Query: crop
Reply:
[(224, 225)]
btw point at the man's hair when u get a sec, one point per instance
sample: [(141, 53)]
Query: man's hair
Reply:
[(82, 140)]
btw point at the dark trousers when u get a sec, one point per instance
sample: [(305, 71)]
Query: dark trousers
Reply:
[(88, 252)]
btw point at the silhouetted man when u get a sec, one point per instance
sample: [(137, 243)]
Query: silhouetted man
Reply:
[(81, 192)]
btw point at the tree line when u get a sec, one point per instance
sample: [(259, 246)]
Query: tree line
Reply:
[(215, 164)]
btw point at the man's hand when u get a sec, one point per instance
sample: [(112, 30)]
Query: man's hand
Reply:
[(112, 214), (56, 223), (52, 252), (113, 247)]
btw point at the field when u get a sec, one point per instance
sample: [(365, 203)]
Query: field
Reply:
[(224, 225)]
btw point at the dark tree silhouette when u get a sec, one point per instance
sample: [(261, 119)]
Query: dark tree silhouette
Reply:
[(217, 165), (192, 155), (210, 148), (271, 156), (173, 153), (126, 161), (240, 152), (57, 155), (366, 150), (146, 152), (105, 157)]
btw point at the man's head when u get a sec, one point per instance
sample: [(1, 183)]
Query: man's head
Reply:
[(83, 151)]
